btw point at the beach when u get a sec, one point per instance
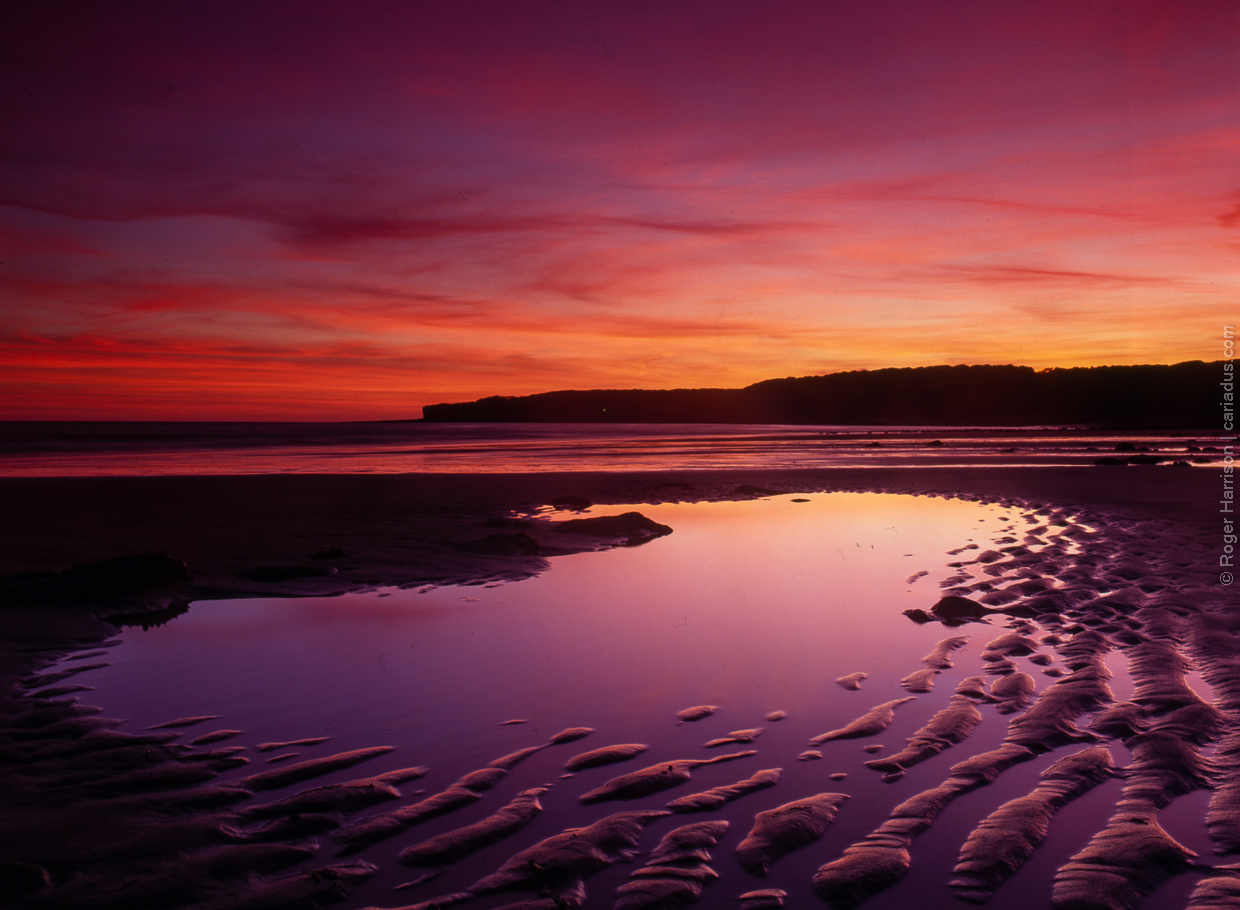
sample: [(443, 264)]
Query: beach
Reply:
[(615, 457), (1113, 560), (401, 528)]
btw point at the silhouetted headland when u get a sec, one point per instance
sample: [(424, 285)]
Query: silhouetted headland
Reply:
[(1162, 396)]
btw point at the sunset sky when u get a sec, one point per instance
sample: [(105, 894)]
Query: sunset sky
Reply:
[(320, 210)]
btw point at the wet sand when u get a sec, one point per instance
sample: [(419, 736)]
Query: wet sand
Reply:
[(1145, 584), (233, 531)]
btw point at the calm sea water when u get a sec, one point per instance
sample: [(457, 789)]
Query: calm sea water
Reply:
[(42, 449)]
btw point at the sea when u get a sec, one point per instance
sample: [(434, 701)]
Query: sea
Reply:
[(101, 448)]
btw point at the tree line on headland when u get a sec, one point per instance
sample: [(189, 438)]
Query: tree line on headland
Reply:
[(1183, 395)]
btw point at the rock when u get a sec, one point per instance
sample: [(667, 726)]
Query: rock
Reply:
[(214, 737), (1120, 720), (920, 681), (460, 842), (343, 798), (371, 830), (565, 859), (1219, 892), (606, 755), (632, 527), (296, 827), (953, 607), (653, 779), (736, 736), (1223, 817), (183, 722), (1012, 693), (1163, 767), (766, 898), (985, 767), (1013, 644), (1004, 840), (940, 657), (1121, 865), (852, 681), (875, 721), (512, 759), (1049, 723), (677, 870), (883, 858), (572, 734), (1000, 666), (289, 774), (718, 796), (308, 741), (696, 713), (946, 728), (777, 832), (1158, 668)]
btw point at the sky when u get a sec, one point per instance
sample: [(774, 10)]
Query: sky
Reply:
[(320, 210)]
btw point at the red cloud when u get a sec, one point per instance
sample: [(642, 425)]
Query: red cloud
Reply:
[(1021, 274), (296, 199)]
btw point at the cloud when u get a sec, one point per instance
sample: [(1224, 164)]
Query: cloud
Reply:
[(1037, 207), (32, 243), (329, 230), (1230, 218), (1013, 274), (476, 196)]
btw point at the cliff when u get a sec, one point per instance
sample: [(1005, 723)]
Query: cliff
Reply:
[(1179, 395)]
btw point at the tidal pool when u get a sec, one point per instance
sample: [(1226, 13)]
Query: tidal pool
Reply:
[(752, 607)]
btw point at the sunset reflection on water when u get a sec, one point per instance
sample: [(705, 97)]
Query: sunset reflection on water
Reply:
[(754, 606)]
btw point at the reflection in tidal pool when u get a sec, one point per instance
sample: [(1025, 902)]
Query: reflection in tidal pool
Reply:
[(754, 607)]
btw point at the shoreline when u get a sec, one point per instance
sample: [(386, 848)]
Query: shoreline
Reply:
[(173, 450), (406, 529), (1142, 585)]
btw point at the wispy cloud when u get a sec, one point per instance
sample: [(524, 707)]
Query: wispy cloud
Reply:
[(1014, 274), (231, 208), (1230, 218)]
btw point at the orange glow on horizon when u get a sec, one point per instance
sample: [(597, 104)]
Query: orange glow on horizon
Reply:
[(380, 212)]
